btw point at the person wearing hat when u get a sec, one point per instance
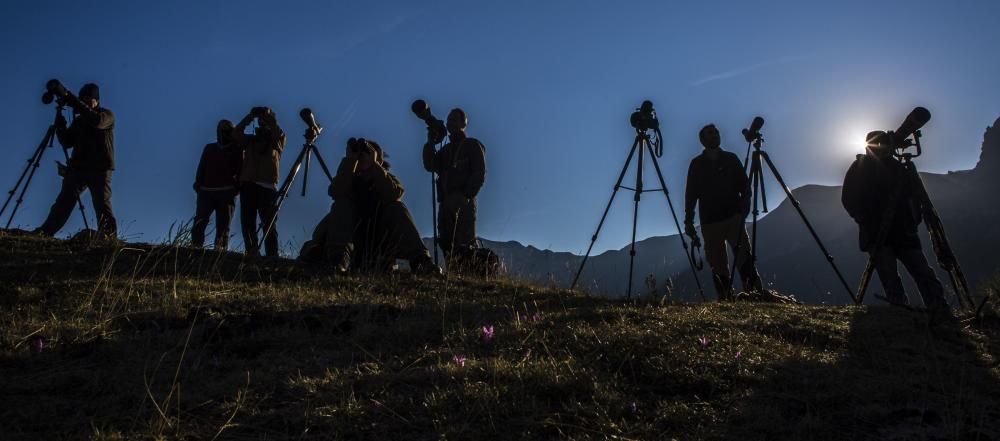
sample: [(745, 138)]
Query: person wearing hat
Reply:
[(217, 183), (368, 225), (461, 168), (92, 139), (259, 178), (717, 184), (875, 181)]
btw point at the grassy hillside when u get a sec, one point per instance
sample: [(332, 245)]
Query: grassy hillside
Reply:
[(162, 342)]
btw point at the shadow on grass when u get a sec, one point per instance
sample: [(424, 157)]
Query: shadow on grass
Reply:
[(901, 376)]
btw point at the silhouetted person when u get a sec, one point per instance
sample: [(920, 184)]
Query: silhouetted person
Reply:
[(866, 194), (461, 169), (217, 183), (368, 225), (259, 178), (717, 184), (92, 138)]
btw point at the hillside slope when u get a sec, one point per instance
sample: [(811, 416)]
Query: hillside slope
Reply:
[(161, 342)]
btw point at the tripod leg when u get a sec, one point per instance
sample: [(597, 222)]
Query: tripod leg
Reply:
[(434, 215), (31, 169), (802, 214), (305, 171), (758, 190), (322, 163), (604, 216), (677, 224), (635, 218), (738, 247), (286, 186), (942, 248), (35, 159)]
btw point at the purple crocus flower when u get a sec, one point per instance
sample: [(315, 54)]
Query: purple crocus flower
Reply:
[(37, 344), (459, 360), (488, 334), (704, 341)]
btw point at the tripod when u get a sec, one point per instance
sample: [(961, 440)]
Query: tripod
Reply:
[(643, 144), (29, 173), (756, 182), (309, 149), (935, 228)]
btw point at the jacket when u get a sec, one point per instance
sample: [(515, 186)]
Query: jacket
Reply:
[(92, 138), (867, 191), (261, 153), (718, 185), (368, 188), (461, 166), (219, 168)]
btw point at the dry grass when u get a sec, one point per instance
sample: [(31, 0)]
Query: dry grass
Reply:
[(163, 342)]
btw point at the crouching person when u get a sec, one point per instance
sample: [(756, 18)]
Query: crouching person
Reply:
[(368, 226)]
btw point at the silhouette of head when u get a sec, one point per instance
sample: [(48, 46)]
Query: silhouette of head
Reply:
[(878, 143), (709, 137), (457, 122), (90, 94), (223, 131)]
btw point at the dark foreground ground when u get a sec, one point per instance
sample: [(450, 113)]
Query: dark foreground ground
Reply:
[(141, 342)]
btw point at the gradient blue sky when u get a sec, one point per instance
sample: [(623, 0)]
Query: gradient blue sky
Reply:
[(548, 87)]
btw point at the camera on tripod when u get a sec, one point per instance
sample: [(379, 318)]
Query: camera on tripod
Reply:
[(644, 118), (899, 140), (54, 91), (435, 126), (753, 133)]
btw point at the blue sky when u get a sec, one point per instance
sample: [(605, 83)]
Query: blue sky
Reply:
[(548, 87)]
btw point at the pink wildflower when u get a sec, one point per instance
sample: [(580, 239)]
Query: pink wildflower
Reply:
[(459, 360), (488, 334)]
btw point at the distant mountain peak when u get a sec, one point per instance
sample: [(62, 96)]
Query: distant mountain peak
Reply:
[(989, 157)]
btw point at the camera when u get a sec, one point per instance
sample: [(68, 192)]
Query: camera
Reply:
[(435, 126), (313, 129), (54, 91), (644, 118), (899, 139), (753, 133)]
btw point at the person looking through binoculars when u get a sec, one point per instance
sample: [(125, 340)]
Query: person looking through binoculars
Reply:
[(259, 178), (217, 183), (368, 225), (867, 192), (717, 184), (92, 139), (461, 167)]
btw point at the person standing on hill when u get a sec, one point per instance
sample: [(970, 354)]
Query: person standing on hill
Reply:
[(92, 138), (866, 193), (259, 178), (217, 183), (461, 169), (718, 185)]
